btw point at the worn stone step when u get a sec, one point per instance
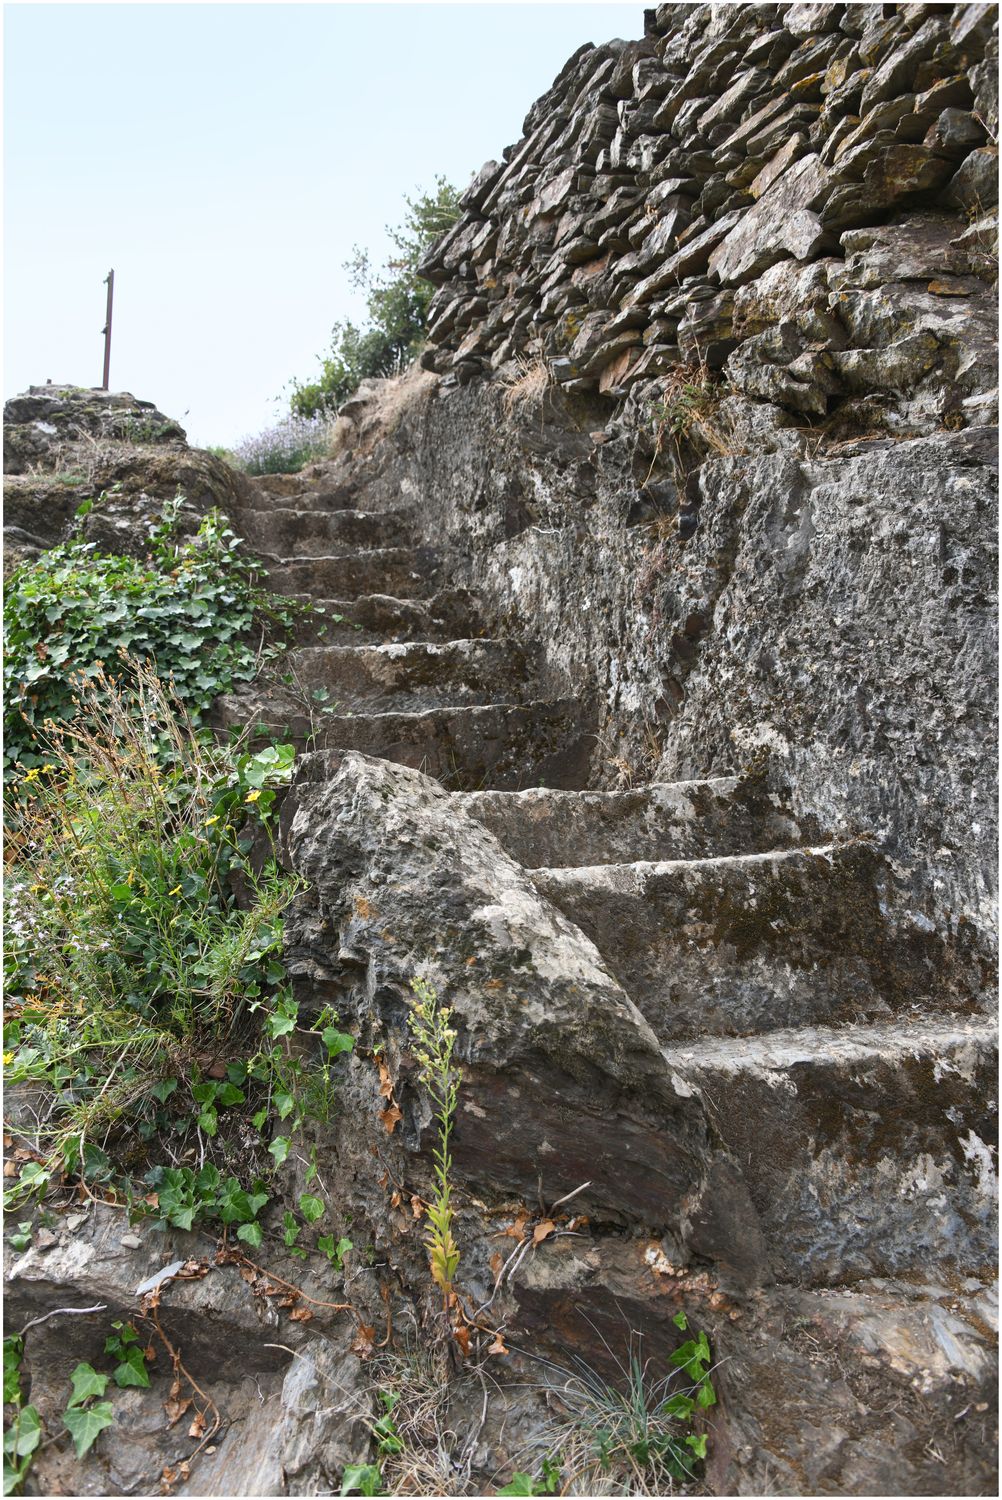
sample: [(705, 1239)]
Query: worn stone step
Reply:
[(666, 820), (284, 532), (406, 572), (302, 491), (503, 745), (864, 1151), (451, 614), (408, 675), (740, 944)]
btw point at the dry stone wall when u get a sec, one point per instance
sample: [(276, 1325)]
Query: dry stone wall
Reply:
[(717, 192)]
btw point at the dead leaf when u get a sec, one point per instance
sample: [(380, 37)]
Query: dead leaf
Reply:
[(197, 1428), (9, 1169), (364, 1341), (462, 1337), (149, 1354), (194, 1270), (494, 984), (417, 1207), (217, 1070), (391, 1117), (300, 1315), (499, 1346), (385, 1081), (395, 1200), (249, 1275), (176, 1409), (471, 961), (496, 1263), (543, 1231), (516, 1231)]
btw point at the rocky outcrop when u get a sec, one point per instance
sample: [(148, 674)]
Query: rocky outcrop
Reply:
[(66, 446), (646, 717)]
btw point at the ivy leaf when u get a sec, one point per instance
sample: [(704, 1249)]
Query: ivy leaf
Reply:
[(86, 1383), (279, 1148), (132, 1370), (86, 1423), (520, 1484), (251, 1234), (336, 1041), (311, 1208)]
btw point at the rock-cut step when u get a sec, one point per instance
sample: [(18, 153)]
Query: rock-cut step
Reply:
[(865, 1151), (662, 821), (311, 533), (375, 619), (739, 944), (404, 572), (501, 745), (407, 676)]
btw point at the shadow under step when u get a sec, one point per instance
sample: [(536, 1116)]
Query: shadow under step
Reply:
[(502, 745), (407, 676), (310, 533), (662, 821), (405, 572), (739, 944), (374, 619), (864, 1151)]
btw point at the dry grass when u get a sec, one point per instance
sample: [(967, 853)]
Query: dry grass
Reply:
[(525, 389)]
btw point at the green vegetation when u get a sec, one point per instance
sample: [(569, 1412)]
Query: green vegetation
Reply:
[(191, 608), (396, 304), (285, 448), (434, 1042), (84, 1417), (143, 942), (636, 1431)]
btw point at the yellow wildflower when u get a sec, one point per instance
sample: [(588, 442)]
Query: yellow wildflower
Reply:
[(252, 796), (209, 821), (8, 1058), (175, 892)]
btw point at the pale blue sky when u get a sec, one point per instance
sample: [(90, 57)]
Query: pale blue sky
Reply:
[(224, 159)]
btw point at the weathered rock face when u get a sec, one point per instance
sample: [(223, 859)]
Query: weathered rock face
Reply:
[(658, 697), (64, 445)]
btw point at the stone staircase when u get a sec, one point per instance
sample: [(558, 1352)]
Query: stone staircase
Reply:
[(843, 1073)]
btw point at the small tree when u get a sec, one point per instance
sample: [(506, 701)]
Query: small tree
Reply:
[(397, 301)]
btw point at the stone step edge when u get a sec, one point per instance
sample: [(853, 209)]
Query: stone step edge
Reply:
[(643, 869), (345, 553), (725, 784), (402, 648), (778, 1051)]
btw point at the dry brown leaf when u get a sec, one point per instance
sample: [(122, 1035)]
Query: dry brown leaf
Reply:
[(176, 1409), (395, 1200), (364, 1341), (391, 1117), (194, 1270), (543, 1231), (499, 1346), (249, 1275), (300, 1315), (497, 1262), (149, 1354), (471, 961), (9, 1169), (462, 1337), (516, 1231), (417, 1207), (385, 1081), (197, 1428)]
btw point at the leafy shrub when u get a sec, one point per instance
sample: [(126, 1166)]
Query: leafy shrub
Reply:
[(396, 303), (290, 445), (189, 608), (143, 939)]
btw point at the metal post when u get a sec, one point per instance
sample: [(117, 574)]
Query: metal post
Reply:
[(106, 330)]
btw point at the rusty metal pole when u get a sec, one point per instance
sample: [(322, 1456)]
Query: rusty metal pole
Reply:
[(110, 283)]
